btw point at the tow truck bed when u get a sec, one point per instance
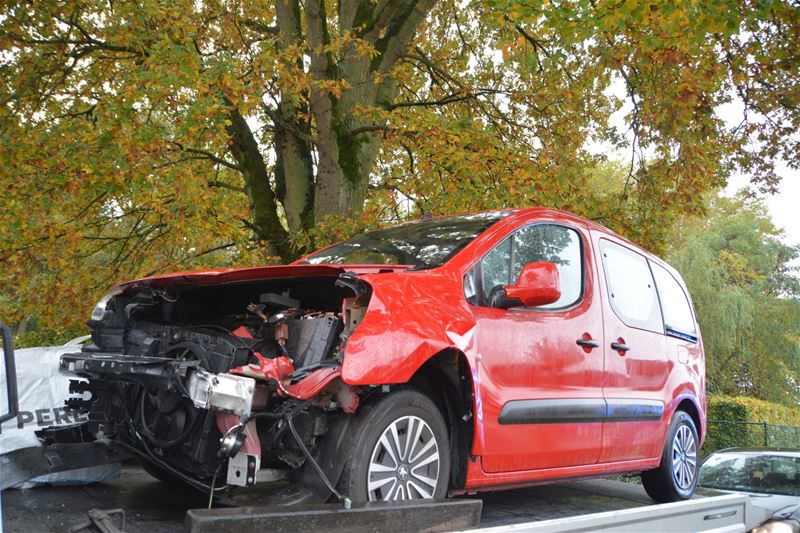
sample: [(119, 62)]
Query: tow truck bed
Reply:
[(154, 507)]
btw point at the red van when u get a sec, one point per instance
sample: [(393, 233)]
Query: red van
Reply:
[(438, 357)]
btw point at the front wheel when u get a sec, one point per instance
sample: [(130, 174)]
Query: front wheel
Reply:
[(401, 451), (676, 477)]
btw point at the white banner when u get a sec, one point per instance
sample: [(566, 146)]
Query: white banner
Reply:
[(43, 391)]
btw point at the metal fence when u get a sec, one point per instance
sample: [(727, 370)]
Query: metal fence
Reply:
[(735, 433)]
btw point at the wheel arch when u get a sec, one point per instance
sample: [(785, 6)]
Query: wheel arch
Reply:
[(688, 404), (446, 379)]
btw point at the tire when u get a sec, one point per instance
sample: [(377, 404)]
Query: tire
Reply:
[(381, 468), (676, 477)]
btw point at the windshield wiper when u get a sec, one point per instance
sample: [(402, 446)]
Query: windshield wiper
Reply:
[(421, 266)]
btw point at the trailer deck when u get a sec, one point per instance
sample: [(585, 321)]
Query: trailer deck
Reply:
[(154, 507)]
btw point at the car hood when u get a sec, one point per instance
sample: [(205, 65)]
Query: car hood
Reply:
[(220, 276)]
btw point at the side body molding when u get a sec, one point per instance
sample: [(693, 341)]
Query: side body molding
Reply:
[(580, 410)]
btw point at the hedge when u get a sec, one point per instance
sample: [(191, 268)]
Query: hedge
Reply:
[(743, 421), (48, 337)]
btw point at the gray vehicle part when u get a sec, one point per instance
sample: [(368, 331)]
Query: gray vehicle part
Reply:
[(27, 463)]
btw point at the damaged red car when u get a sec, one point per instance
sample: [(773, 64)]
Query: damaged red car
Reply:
[(438, 357)]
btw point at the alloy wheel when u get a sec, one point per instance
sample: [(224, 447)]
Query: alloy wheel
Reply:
[(684, 457), (404, 464)]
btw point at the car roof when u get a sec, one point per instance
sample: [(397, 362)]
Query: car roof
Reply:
[(789, 452)]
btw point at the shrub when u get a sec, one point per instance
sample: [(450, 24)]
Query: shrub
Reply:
[(47, 337), (743, 421)]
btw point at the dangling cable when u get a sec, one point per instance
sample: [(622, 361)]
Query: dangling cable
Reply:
[(344, 499), (213, 482)]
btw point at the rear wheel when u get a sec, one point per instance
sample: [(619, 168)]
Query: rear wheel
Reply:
[(401, 451), (676, 477)]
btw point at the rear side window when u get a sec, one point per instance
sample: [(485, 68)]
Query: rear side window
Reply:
[(631, 289), (678, 319)]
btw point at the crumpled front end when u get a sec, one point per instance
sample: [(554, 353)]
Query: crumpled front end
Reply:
[(221, 383)]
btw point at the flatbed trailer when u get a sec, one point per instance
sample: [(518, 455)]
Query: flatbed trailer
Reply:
[(154, 507)]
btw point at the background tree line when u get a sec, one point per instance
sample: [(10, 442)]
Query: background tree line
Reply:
[(747, 296), (145, 136)]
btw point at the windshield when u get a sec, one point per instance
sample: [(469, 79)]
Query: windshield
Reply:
[(424, 244), (752, 472)]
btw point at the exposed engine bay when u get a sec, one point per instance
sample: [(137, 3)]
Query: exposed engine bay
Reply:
[(211, 383)]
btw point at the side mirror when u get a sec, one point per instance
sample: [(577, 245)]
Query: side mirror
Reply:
[(538, 284)]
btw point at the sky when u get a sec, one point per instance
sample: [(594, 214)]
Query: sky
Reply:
[(783, 206)]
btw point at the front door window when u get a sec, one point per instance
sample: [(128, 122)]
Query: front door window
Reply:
[(537, 242)]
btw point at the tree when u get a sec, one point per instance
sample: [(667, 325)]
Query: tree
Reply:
[(747, 296), (141, 136), (681, 64)]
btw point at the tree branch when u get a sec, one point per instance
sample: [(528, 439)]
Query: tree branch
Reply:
[(223, 185), (260, 27), (449, 99), (280, 121), (212, 250), (208, 155), (90, 43), (398, 35), (368, 129)]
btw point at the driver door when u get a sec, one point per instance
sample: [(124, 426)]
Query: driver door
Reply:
[(540, 392)]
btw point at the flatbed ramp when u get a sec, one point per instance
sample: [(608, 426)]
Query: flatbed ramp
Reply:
[(719, 514)]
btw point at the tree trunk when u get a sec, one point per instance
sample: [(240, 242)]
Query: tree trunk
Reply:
[(293, 166), (345, 145), (329, 193), (391, 31), (263, 208)]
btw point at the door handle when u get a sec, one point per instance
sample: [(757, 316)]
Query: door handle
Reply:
[(588, 343), (620, 347)]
